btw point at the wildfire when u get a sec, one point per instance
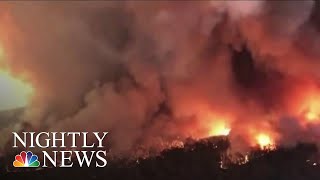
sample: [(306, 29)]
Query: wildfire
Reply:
[(264, 141)]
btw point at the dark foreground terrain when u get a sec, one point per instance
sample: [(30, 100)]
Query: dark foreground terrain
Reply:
[(195, 161)]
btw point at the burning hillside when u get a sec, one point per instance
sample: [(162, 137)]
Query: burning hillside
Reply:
[(155, 73)]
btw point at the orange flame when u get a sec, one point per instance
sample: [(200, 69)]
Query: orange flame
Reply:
[(313, 110), (309, 105), (218, 125), (265, 141), (219, 129)]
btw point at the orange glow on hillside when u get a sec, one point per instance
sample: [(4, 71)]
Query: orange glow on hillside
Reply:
[(308, 105), (219, 129), (218, 125), (264, 141)]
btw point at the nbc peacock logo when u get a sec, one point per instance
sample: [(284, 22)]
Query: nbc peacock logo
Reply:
[(26, 159)]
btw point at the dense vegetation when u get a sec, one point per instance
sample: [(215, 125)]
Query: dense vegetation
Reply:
[(197, 160)]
